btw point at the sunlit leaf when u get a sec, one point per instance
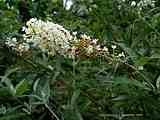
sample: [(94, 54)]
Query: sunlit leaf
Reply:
[(22, 87)]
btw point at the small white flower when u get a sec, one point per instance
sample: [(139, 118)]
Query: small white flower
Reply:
[(105, 49), (11, 42), (140, 68), (24, 29), (90, 49), (119, 7), (114, 46), (84, 36), (14, 39), (98, 48), (72, 53), (133, 3), (121, 54), (94, 41), (23, 47), (74, 33)]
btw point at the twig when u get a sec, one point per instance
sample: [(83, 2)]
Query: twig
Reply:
[(46, 105)]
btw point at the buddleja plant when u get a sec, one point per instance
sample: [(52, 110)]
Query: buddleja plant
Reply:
[(61, 74), (53, 40)]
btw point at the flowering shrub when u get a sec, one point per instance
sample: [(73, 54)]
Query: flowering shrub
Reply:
[(50, 72)]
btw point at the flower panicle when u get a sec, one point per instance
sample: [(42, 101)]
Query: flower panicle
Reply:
[(55, 39)]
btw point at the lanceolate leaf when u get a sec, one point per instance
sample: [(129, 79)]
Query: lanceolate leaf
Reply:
[(22, 87)]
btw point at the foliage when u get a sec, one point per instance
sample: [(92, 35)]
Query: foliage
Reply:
[(37, 86)]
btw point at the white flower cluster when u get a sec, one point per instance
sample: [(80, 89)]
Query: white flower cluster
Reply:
[(86, 46), (139, 4), (144, 3), (54, 39), (17, 46), (49, 37)]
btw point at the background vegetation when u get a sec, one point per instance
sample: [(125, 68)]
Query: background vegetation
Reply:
[(39, 87)]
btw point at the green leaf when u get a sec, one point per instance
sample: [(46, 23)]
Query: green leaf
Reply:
[(35, 86), (125, 81), (158, 82), (155, 56), (5, 91), (143, 60), (74, 98), (2, 109), (22, 87), (120, 98), (10, 86), (8, 72), (128, 50), (13, 116), (45, 92)]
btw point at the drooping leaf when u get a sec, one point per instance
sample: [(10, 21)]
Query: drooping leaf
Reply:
[(74, 98), (158, 82), (22, 87)]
